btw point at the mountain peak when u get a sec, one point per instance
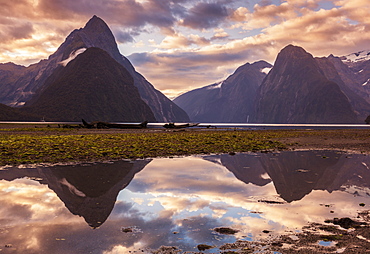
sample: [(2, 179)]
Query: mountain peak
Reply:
[(96, 23), (291, 58), (296, 90), (294, 52), (96, 33), (94, 86)]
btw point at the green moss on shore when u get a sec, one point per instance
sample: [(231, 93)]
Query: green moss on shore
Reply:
[(37, 147)]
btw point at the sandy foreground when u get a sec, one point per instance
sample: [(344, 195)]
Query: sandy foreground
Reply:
[(351, 140)]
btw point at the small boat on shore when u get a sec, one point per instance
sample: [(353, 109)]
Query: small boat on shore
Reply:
[(178, 126), (106, 125)]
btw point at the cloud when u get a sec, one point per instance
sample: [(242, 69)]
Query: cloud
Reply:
[(178, 40), (263, 15), (11, 29), (205, 15), (199, 66), (23, 31), (195, 68), (220, 34), (125, 36)]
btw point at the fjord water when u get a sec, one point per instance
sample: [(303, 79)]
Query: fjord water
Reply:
[(141, 205)]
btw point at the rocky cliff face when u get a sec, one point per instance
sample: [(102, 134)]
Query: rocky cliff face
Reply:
[(359, 64), (9, 74), (299, 89), (93, 86), (355, 73), (13, 114), (229, 101), (296, 90), (337, 72), (96, 33)]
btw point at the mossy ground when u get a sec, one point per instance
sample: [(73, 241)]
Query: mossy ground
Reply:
[(39, 146), (51, 145)]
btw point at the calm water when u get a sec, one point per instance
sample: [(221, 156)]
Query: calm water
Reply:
[(228, 125), (176, 202)]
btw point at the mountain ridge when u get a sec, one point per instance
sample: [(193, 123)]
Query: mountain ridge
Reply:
[(96, 33), (305, 94), (93, 86), (350, 101), (231, 100)]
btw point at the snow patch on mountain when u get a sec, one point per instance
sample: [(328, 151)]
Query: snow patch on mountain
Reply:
[(367, 82), (266, 70), (72, 56), (215, 86), (357, 57)]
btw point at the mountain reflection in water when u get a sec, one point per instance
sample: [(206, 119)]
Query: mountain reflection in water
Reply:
[(296, 174), (176, 202)]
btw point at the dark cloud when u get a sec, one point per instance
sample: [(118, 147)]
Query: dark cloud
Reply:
[(124, 36), (139, 59), (23, 31), (15, 31), (205, 15), (264, 2), (16, 8), (129, 17)]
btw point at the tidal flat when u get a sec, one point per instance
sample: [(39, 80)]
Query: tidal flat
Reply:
[(314, 201), (30, 145), (239, 190)]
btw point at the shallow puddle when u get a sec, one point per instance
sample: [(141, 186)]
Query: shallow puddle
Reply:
[(180, 202)]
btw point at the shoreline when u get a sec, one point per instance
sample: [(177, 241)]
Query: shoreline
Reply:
[(346, 140)]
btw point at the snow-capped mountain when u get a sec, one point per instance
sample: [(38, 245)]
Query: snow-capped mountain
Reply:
[(356, 70), (356, 57)]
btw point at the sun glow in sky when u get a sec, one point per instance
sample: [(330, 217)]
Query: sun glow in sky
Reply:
[(179, 45)]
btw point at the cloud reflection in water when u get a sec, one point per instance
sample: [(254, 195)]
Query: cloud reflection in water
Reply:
[(177, 202)]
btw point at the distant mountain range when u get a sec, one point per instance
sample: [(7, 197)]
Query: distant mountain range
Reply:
[(73, 83), (298, 89), (232, 100), (36, 89)]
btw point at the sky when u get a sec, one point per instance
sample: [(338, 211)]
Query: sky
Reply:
[(180, 45)]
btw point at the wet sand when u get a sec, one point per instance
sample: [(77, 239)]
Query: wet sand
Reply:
[(351, 140)]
